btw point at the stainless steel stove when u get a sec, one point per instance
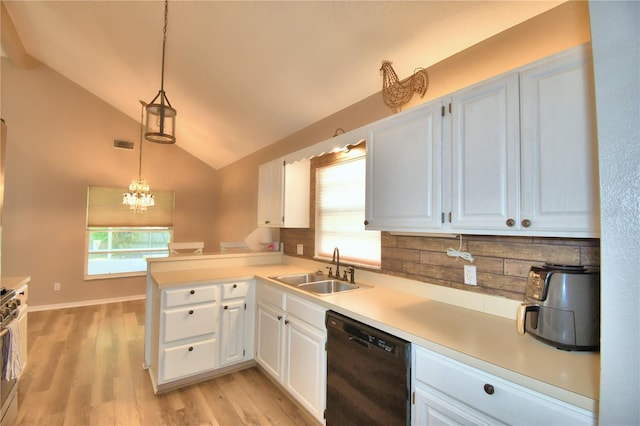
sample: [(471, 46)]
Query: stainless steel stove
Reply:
[(9, 309)]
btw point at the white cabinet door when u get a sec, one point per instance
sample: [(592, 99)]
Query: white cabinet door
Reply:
[(270, 339), (232, 332), (485, 155), (306, 364), (404, 158), (297, 190), (559, 148), (432, 409), (270, 194), (283, 194)]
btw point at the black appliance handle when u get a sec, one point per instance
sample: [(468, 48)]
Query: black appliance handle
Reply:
[(359, 341)]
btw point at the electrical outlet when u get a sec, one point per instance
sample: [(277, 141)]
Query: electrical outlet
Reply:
[(300, 249), (56, 286), (470, 275)]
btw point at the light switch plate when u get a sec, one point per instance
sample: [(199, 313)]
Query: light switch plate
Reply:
[(300, 249), (470, 275)]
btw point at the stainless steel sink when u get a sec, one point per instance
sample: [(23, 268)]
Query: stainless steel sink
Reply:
[(328, 286), (297, 279)]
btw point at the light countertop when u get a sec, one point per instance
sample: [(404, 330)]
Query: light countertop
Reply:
[(14, 283), (482, 340)]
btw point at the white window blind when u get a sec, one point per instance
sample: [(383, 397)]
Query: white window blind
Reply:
[(340, 201), (105, 208)]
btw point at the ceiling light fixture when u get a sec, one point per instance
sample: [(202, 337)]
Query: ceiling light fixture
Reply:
[(161, 117), (138, 198)]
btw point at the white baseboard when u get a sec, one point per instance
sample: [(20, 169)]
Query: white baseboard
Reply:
[(85, 303)]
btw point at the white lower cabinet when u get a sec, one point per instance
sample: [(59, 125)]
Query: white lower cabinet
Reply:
[(197, 329), (185, 360), (235, 323), (270, 339), (290, 345), (447, 392)]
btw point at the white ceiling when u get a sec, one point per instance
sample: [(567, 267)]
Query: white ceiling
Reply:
[(244, 74)]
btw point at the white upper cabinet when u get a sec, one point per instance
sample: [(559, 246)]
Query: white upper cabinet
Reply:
[(283, 194), (404, 158), (513, 155), (559, 145), (271, 194), (484, 157)]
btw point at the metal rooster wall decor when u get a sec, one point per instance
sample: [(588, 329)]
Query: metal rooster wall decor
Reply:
[(397, 92)]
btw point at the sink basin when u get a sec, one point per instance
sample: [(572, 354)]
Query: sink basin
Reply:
[(297, 279), (328, 286)]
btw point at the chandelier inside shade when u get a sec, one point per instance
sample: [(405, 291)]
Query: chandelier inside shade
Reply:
[(138, 198)]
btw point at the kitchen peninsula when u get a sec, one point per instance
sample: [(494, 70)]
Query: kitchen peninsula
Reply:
[(476, 330)]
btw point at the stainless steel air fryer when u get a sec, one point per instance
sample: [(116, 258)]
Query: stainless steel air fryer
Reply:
[(562, 307)]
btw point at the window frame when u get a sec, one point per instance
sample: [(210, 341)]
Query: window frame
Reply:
[(88, 251)]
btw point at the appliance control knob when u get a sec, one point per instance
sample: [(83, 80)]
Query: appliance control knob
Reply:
[(510, 222), (489, 389), (526, 223)]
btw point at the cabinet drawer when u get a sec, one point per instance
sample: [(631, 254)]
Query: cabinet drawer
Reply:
[(306, 311), (496, 397), (235, 289), (189, 322), (185, 360), (271, 295), (189, 295)]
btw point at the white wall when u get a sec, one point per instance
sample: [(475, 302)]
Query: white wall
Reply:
[(616, 53)]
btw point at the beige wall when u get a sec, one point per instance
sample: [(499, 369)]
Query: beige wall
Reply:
[(558, 29), (59, 141)]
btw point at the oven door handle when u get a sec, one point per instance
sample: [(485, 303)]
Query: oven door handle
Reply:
[(360, 342)]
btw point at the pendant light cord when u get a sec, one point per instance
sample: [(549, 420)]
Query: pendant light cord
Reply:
[(164, 44), (144, 104)]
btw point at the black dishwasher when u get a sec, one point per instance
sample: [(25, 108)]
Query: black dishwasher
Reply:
[(368, 374)]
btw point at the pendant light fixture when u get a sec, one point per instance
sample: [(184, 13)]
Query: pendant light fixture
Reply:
[(161, 117), (138, 198)]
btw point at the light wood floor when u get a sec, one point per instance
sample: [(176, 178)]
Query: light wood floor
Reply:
[(85, 368)]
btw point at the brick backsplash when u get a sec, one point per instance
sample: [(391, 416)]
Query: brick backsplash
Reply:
[(502, 262)]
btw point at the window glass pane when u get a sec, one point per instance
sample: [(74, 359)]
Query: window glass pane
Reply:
[(340, 214), (124, 250)]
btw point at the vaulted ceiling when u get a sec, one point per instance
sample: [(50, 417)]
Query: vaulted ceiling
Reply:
[(244, 74)]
